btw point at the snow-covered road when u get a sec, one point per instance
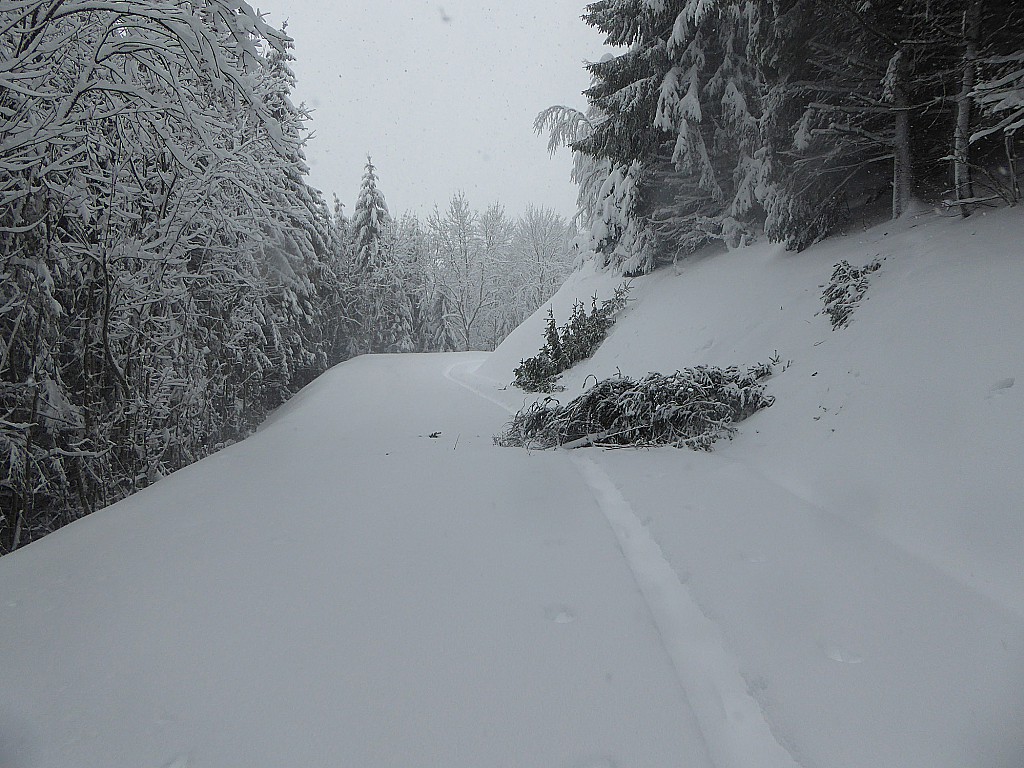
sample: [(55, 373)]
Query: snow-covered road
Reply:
[(369, 582), (343, 590)]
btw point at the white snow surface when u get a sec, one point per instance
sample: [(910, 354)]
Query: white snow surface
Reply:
[(840, 585)]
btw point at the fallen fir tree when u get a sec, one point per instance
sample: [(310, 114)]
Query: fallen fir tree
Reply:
[(693, 408)]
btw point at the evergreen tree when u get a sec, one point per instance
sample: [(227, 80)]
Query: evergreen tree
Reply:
[(340, 223), (999, 95), (383, 310), (437, 332), (370, 222), (869, 101), (718, 117), (1002, 94), (567, 127), (391, 318), (681, 138), (625, 91), (709, 102)]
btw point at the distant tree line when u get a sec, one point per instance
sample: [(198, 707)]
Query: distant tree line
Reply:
[(167, 275), (462, 279), (721, 120)]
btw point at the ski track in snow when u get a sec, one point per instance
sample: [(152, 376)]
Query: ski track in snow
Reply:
[(734, 727), (462, 379), (736, 731)]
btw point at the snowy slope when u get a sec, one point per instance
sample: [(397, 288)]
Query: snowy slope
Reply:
[(861, 543), (840, 585), (908, 422)]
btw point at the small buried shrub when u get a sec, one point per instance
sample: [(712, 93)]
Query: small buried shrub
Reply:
[(575, 341), (847, 287), (693, 407)]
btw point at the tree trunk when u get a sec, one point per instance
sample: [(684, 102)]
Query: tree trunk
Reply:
[(902, 174), (1011, 164), (962, 132)]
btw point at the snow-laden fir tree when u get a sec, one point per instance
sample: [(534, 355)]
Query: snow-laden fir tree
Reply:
[(623, 139), (875, 102), (717, 117), (370, 222), (340, 222), (566, 127), (391, 316), (680, 134), (412, 257), (999, 95), (1002, 94), (840, 114), (709, 102), (382, 311)]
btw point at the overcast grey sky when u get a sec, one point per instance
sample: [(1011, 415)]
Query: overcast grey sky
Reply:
[(442, 94)]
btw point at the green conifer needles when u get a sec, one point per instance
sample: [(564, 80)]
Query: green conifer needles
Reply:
[(575, 341), (693, 408)]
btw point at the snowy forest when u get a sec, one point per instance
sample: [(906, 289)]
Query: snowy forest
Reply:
[(727, 120), (358, 407), (168, 276)]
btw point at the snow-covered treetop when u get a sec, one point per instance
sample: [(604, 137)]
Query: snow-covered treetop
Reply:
[(370, 221)]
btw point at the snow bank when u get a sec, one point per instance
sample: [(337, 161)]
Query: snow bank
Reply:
[(860, 543), (908, 422)]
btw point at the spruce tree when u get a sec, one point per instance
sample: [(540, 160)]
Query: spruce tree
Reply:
[(340, 222), (875, 101), (681, 136), (382, 310), (999, 96), (716, 118), (370, 222), (624, 142)]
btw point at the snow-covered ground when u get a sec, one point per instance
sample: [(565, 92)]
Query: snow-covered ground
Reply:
[(840, 585)]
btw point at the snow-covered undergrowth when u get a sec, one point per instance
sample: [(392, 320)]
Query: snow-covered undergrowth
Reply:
[(563, 347), (369, 582)]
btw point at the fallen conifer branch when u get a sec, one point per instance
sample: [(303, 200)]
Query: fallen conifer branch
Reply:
[(693, 407)]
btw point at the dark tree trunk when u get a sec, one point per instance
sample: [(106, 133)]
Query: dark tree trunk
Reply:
[(902, 173), (962, 133)]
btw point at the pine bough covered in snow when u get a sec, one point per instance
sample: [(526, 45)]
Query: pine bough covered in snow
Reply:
[(847, 287), (693, 408)]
